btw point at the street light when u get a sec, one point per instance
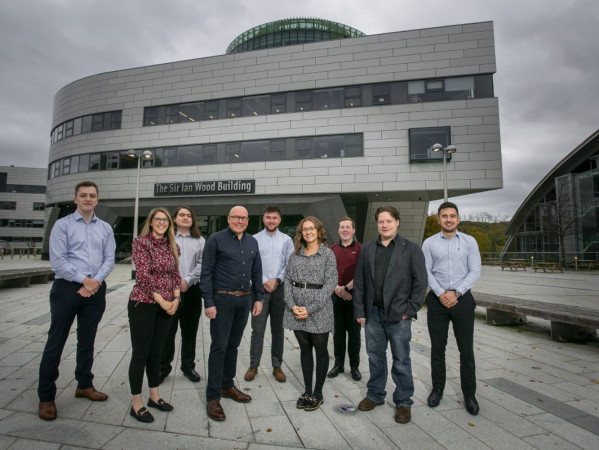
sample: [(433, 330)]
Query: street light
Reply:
[(449, 150), (133, 154)]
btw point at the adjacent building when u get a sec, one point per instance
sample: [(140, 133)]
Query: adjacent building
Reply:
[(308, 114), (559, 220), (22, 204)]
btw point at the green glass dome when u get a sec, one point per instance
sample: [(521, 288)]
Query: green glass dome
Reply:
[(290, 32)]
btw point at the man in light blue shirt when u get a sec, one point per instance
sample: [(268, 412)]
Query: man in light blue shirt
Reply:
[(453, 266), (275, 250), (82, 249)]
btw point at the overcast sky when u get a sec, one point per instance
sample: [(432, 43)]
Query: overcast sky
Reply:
[(547, 78)]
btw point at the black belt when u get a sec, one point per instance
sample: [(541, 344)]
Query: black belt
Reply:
[(235, 293), (306, 285)]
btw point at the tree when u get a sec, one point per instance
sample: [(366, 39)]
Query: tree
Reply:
[(563, 220)]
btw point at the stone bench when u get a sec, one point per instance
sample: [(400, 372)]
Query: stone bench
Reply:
[(568, 323), (25, 277)]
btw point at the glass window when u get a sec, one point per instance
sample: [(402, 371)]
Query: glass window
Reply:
[(189, 155), (234, 107), (353, 97), (354, 145), (57, 169), (112, 161), (328, 99), (86, 124), (191, 112), (68, 129), (126, 161), (150, 116), (232, 153), (381, 94), (59, 132), (172, 114), (459, 88), (277, 150), (209, 154), (115, 120), (210, 110), (303, 148), (83, 163), (66, 166), (77, 126), (94, 162), (74, 164), (8, 205), (329, 146), (303, 101), (255, 106), (278, 103), (98, 122), (435, 86), (255, 151), (422, 141)]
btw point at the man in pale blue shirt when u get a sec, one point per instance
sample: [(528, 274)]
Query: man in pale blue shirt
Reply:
[(453, 266), (275, 250), (82, 249)]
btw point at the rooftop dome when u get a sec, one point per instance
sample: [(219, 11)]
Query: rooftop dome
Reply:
[(290, 32)]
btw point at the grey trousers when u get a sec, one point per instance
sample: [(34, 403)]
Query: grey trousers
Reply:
[(274, 304)]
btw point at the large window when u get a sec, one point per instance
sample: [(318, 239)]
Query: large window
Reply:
[(332, 146), (422, 141), (87, 124), (11, 206), (392, 93)]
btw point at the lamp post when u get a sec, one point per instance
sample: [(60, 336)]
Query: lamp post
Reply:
[(449, 150), (133, 154)]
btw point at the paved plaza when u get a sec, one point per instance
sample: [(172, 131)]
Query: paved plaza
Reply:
[(533, 392)]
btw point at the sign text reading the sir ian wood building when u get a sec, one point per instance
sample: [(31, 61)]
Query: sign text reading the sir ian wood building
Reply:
[(224, 187)]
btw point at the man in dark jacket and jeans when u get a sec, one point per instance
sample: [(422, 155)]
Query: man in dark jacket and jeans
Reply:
[(389, 287)]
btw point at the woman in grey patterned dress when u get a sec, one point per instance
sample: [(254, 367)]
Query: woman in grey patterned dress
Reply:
[(310, 279)]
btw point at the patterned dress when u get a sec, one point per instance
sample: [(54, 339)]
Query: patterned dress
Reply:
[(155, 269), (319, 268)]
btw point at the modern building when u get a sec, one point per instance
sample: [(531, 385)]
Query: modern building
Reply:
[(564, 207), (22, 204), (308, 114)]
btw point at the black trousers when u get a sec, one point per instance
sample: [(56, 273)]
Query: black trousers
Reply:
[(188, 315), (65, 305), (148, 324), (345, 324), (226, 331), (462, 318), (318, 342)]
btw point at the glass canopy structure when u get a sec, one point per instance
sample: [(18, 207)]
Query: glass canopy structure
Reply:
[(290, 32)]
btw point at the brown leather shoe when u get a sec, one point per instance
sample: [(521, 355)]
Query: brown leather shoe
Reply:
[(215, 410), (250, 374), (279, 375), (403, 414), (91, 394), (368, 405), (235, 394), (47, 410)]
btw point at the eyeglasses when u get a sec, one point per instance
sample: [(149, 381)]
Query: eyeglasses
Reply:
[(160, 219), (305, 230), (239, 218)]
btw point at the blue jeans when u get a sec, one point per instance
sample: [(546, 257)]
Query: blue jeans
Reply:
[(398, 334)]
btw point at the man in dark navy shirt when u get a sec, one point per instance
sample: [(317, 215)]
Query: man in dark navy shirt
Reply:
[(231, 279)]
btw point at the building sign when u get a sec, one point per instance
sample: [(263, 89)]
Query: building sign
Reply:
[(205, 188)]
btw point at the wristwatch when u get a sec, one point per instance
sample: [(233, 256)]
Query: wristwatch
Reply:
[(346, 288), (458, 294)]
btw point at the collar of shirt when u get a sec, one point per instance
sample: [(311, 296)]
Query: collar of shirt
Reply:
[(78, 216), (353, 243), (318, 252), (457, 234), (232, 233), (380, 242)]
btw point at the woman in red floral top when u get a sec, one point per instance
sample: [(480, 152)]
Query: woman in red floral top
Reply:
[(153, 300)]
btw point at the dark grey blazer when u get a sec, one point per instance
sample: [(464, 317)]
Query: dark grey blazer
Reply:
[(405, 283)]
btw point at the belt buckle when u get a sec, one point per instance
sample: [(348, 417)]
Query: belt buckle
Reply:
[(304, 287)]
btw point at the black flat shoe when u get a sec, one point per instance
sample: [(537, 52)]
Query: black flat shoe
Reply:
[(434, 398), (355, 374), (143, 415), (160, 404), (471, 405), (301, 402), (336, 370), (192, 375), (313, 403)]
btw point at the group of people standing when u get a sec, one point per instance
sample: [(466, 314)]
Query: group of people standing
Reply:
[(300, 284)]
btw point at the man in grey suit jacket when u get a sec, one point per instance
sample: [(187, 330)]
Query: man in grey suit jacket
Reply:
[(389, 287)]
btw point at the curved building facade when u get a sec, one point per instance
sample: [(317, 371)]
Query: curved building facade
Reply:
[(562, 211), (328, 128)]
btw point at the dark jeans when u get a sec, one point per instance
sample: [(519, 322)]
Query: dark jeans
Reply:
[(274, 304), (462, 318), (188, 315), (148, 324), (345, 324), (226, 331), (318, 342), (65, 305), (379, 334)]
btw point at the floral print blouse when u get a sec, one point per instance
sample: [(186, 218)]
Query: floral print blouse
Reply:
[(155, 269)]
